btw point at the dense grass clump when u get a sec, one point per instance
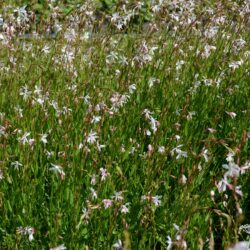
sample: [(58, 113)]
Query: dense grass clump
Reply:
[(124, 125)]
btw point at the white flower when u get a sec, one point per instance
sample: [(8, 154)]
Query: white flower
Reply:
[(205, 154), (118, 245), (46, 49), (177, 137), (22, 15), (60, 247), (100, 146), (212, 193), (222, 185), (176, 227), (31, 142), (161, 149), (156, 200), (179, 152), (147, 113), (236, 64), (94, 194), (238, 190), (92, 137), (233, 170), (24, 92), (179, 64), (86, 99), (124, 208), (190, 115), (148, 132), (152, 81), (183, 179), (96, 119), (70, 35), (132, 88), (231, 114), (107, 203), (86, 35), (230, 157), (31, 237), (117, 196), (242, 245), (44, 138), (16, 165), (93, 179), (153, 123), (19, 111), (211, 130), (27, 230), (169, 242), (207, 50), (239, 43), (49, 154), (57, 169), (156, 8), (104, 173), (24, 139), (245, 228)]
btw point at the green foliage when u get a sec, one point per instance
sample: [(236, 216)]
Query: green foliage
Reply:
[(167, 165)]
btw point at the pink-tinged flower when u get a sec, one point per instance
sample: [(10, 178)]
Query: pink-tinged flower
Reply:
[(104, 173), (107, 203), (211, 130), (24, 139), (233, 170), (124, 208), (242, 245), (92, 137), (231, 114)]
